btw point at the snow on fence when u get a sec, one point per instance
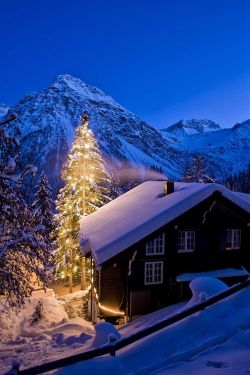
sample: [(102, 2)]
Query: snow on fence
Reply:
[(111, 349)]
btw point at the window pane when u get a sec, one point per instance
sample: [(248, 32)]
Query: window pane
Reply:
[(156, 246), (186, 240), (233, 239), (153, 273)]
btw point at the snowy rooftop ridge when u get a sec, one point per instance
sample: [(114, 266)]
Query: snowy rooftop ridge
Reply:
[(141, 211)]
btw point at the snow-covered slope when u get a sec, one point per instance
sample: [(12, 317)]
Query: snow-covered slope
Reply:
[(214, 341), (226, 150), (47, 121), (3, 109), (187, 127)]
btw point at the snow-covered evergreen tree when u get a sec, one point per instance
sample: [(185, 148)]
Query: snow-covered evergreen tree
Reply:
[(115, 189), (43, 204), (84, 192), (24, 252), (239, 181), (132, 179), (197, 171)]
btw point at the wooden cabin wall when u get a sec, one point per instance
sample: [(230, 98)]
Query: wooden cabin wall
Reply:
[(209, 220)]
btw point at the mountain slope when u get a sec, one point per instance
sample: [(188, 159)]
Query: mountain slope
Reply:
[(3, 109), (47, 121), (226, 150)]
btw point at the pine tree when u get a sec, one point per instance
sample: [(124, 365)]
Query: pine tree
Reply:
[(43, 204), (239, 181), (115, 189), (84, 192), (24, 251), (132, 179)]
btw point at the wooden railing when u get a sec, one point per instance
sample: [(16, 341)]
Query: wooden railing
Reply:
[(112, 348)]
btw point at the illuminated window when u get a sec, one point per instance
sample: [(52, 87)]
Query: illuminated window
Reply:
[(233, 239), (153, 273), (186, 241), (156, 246)]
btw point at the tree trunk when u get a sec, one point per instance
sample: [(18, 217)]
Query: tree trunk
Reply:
[(70, 282), (83, 273)]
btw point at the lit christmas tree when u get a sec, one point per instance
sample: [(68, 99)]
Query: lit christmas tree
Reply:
[(84, 192)]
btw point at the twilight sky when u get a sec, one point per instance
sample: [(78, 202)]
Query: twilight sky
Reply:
[(162, 59)]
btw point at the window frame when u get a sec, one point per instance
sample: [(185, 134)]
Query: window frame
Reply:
[(186, 238), (154, 245), (154, 274), (234, 239)]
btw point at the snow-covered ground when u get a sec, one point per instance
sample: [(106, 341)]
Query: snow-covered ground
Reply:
[(213, 341), (55, 335)]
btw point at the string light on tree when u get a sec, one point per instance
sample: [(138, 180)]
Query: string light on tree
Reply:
[(84, 192)]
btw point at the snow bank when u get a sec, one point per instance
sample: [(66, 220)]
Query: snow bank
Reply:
[(36, 341), (180, 343), (203, 288), (14, 324), (105, 334)]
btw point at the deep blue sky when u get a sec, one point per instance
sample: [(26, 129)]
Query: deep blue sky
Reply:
[(162, 59)]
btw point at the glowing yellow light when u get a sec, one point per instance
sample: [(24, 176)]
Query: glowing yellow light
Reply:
[(75, 269), (116, 312), (77, 257)]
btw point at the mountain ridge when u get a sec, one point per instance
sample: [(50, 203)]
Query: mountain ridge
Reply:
[(47, 120)]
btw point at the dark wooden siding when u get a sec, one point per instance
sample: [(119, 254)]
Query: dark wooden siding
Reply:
[(209, 220)]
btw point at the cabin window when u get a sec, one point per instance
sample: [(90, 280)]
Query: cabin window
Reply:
[(233, 239), (156, 246), (186, 241), (153, 273)]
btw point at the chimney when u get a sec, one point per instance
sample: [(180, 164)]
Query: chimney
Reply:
[(168, 187)]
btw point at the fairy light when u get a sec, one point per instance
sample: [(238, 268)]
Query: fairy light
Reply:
[(77, 198), (105, 308), (115, 312)]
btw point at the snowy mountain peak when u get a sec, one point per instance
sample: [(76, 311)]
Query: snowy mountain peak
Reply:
[(47, 121), (67, 84), (3, 109), (245, 125), (185, 128)]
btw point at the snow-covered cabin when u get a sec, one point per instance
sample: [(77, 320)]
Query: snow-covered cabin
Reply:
[(150, 242)]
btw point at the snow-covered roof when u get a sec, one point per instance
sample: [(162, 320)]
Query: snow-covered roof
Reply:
[(141, 211), (223, 273)]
